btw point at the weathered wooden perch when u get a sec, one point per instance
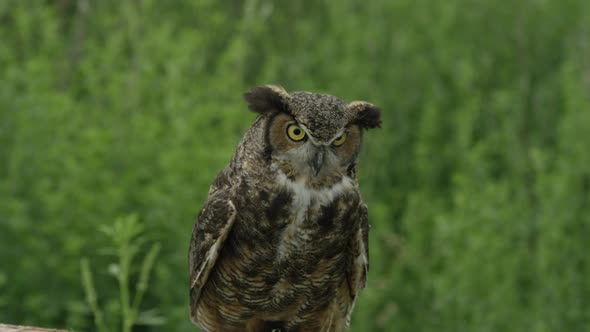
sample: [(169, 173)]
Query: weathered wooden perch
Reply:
[(15, 328)]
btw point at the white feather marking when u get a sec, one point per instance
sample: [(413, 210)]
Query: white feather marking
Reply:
[(305, 198), (303, 195), (213, 252), (361, 261)]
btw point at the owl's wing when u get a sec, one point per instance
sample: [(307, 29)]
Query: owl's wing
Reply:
[(357, 273), (210, 231)]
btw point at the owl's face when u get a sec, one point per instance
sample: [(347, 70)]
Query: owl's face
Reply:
[(302, 155), (314, 138)]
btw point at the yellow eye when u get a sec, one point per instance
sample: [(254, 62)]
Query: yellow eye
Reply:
[(295, 132), (340, 140)]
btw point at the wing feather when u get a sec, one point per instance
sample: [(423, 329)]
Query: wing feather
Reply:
[(212, 227), (359, 266)]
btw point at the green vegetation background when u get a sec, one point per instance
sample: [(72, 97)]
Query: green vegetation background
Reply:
[(478, 184)]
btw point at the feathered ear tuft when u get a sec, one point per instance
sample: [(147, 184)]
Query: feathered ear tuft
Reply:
[(267, 98), (369, 115)]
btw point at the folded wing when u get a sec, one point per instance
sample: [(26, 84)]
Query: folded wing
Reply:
[(212, 227)]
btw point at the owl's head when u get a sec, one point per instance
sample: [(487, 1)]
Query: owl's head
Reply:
[(312, 137)]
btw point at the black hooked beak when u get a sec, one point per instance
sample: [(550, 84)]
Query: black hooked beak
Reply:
[(317, 160)]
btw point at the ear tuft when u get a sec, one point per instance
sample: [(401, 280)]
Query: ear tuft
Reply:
[(369, 115), (267, 98)]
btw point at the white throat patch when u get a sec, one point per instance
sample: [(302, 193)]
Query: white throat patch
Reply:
[(303, 195), (303, 199)]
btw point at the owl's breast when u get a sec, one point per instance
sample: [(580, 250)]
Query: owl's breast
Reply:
[(286, 255), (290, 243)]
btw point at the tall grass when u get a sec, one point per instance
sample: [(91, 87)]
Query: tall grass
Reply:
[(127, 244)]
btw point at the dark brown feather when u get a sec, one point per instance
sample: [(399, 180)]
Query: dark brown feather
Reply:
[(262, 99), (369, 115)]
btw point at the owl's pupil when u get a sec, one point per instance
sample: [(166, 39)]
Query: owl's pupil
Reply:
[(297, 132)]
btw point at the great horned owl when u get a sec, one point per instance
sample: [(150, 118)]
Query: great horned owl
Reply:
[(281, 242)]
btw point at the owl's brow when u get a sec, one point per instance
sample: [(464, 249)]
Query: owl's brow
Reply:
[(340, 133), (308, 132), (301, 123), (345, 130), (304, 127)]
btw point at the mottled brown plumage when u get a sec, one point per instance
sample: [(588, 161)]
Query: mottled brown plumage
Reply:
[(281, 243)]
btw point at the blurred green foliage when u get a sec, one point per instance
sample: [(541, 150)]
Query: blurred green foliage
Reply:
[(478, 184), (127, 241)]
